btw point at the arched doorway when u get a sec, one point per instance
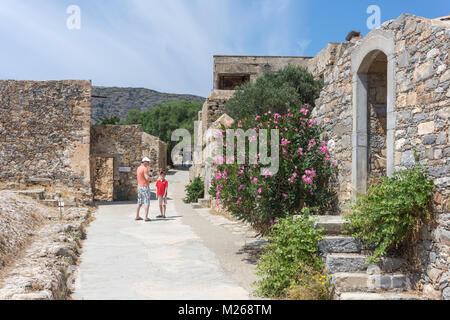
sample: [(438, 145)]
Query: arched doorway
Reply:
[(373, 110)]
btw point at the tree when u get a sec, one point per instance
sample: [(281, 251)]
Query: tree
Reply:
[(279, 91), (164, 118)]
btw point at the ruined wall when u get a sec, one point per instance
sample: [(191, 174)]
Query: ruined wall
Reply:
[(422, 78), (420, 121), (124, 144), (156, 151), (127, 145), (254, 66), (334, 112), (377, 123), (213, 109), (44, 135)]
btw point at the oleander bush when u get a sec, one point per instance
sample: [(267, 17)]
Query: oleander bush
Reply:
[(389, 213), (251, 192)]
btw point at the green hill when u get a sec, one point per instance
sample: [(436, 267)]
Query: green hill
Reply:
[(114, 101)]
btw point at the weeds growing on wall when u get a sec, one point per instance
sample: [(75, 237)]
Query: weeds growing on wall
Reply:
[(386, 216), (311, 285), (290, 254)]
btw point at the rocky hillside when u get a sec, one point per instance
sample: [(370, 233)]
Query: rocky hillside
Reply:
[(114, 101)]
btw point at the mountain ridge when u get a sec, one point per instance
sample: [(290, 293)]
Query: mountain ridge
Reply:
[(119, 101)]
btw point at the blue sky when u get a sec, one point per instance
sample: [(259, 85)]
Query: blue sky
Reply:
[(168, 45)]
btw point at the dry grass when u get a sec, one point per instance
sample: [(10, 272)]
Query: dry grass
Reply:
[(20, 216)]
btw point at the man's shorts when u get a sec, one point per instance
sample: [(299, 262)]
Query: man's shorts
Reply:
[(162, 201), (144, 195)]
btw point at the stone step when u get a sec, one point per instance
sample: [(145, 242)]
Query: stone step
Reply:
[(196, 205), (339, 244), (380, 296), (332, 225), (352, 262), (364, 282), (38, 194), (204, 203), (54, 203)]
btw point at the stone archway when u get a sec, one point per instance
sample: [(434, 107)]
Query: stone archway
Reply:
[(374, 55)]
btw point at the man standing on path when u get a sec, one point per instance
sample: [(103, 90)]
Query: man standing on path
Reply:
[(143, 177), (161, 192)]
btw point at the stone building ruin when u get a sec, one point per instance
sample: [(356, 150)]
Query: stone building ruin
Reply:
[(386, 98), (47, 141)]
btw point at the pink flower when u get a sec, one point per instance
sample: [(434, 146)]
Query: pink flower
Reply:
[(240, 124), (255, 180), (284, 141), (311, 144), (257, 118), (266, 173), (238, 201), (276, 116), (258, 197), (273, 222), (313, 121), (241, 187), (218, 176), (260, 190), (308, 180), (300, 151), (284, 195)]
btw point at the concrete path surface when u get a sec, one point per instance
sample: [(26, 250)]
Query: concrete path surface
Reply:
[(190, 255)]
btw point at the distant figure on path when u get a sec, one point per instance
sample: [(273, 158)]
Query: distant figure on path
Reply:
[(161, 192), (143, 177)]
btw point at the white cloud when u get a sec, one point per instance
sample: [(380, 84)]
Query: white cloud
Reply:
[(162, 45)]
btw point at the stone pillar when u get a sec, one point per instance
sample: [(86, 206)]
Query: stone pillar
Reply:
[(359, 137)]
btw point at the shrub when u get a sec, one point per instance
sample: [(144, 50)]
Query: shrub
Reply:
[(311, 285), (275, 91), (387, 215), (194, 190), (291, 251), (305, 168), (112, 120)]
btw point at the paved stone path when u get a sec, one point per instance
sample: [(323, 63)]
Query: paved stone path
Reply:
[(190, 255)]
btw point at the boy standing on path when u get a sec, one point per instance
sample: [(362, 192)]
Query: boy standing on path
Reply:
[(143, 177), (161, 192)]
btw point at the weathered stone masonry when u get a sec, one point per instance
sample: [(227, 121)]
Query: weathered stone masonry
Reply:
[(385, 97), (114, 147), (44, 134)]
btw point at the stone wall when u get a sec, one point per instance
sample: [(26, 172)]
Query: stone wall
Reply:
[(127, 145), (254, 66), (422, 78), (334, 112), (419, 121), (44, 135)]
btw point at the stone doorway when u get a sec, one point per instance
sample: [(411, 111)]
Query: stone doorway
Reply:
[(103, 179), (373, 110)]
